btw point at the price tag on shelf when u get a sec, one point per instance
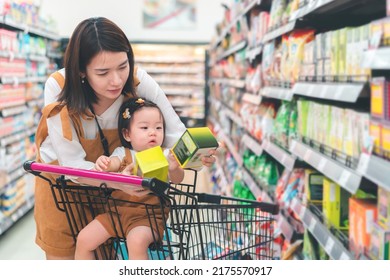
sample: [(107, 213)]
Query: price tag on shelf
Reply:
[(302, 212), (323, 91), (293, 145), (329, 245), (344, 256), (363, 164), (307, 155), (339, 92), (322, 164), (345, 175), (312, 225)]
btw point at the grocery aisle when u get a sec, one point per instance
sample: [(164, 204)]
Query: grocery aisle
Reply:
[(18, 243)]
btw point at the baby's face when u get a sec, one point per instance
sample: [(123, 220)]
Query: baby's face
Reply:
[(146, 129)]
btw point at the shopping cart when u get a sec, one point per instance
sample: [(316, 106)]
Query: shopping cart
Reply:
[(199, 225)]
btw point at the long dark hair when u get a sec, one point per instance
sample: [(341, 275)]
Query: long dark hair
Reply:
[(126, 113), (91, 37)]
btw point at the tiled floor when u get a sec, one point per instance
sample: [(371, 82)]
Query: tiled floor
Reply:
[(18, 243)]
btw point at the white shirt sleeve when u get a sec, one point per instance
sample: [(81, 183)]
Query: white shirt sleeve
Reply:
[(69, 153), (52, 89), (119, 152), (149, 89)]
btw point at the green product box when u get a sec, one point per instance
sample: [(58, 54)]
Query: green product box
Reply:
[(152, 163), (192, 145)]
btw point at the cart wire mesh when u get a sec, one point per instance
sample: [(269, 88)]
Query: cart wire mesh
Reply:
[(199, 225)]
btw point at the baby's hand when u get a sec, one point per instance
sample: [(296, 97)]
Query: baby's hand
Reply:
[(129, 170), (102, 163)]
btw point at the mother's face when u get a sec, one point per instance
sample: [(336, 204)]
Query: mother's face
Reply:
[(107, 74)]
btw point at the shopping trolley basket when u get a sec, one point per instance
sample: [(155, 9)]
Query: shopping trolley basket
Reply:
[(199, 226)]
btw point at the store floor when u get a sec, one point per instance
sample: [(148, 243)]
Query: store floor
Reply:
[(18, 243)]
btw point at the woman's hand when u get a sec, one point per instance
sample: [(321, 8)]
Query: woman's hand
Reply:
[(209, 160)]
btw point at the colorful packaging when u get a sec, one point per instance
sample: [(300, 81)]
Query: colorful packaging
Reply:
[(362, 215), (378, 86), (379, 243), (192, 145), (376, 133), (383, 208)]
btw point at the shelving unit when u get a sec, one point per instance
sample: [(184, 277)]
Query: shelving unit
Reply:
[(21, 96), (180, 72), (232, 80)]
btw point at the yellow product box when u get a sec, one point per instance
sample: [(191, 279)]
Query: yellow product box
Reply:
[(362, 215), (192, 145), (378, 86), (375, 134), (335, 205), (383, 208), (152, 163), (385, 138)]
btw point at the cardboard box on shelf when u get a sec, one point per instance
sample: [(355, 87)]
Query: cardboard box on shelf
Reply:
[(379, 243), (383, 208), (362, 215), (335, 205)]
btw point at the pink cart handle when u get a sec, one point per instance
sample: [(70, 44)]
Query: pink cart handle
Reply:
[(155, 185)]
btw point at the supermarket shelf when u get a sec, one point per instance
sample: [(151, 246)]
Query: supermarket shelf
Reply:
[(375, 169), (333, 247), (347, 178), (252, 144), (174, 70), (281, 155), (279, 31), (377, 59), (286, 228), (222, 137), (346, 92), (252, 53), (6, 112), (9, 139), (22, 80), (309, 8), (282, 222), (251, 98), (232, 50), (238, 83), (254, 187), (7, 222), (233, 116), (277, 93), (29, 29), (226, 30), (169, 60)]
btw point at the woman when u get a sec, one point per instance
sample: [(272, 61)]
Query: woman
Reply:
[(82, 125)]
